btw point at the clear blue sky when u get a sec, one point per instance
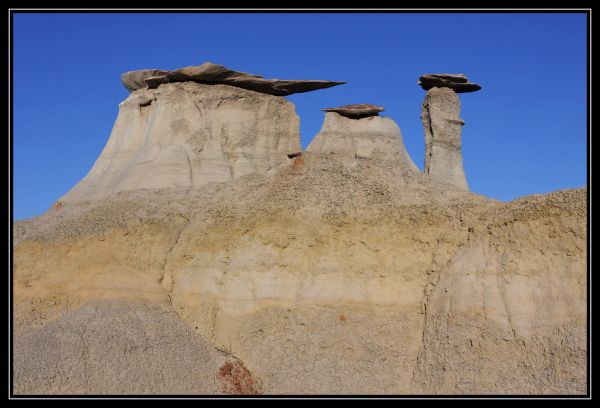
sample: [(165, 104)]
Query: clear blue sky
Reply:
[(525, 131)]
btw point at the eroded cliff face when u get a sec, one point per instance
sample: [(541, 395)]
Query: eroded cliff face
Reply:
[(329, 279), (188, 134), (197, 258), (509, 307)]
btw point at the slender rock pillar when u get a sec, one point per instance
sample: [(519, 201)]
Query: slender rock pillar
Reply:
[(443, 126)]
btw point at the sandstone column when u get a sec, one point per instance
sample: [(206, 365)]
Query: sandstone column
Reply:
[(443, 126)]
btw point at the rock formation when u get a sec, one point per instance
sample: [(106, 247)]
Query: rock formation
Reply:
[(356, 131), (189, 134), (339, 270), (443, 126), (209, 73), (203, 124)]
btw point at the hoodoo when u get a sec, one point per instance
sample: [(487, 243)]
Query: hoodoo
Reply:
[(357, 131), (206, 253), (443, 126), (193, 126)]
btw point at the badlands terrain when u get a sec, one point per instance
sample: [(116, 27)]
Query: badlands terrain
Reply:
[(206, 253)]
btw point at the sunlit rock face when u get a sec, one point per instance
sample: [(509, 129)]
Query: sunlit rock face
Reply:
[(206, 253), (442, 125), (189, 134), (371, 137), (443, 133)]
